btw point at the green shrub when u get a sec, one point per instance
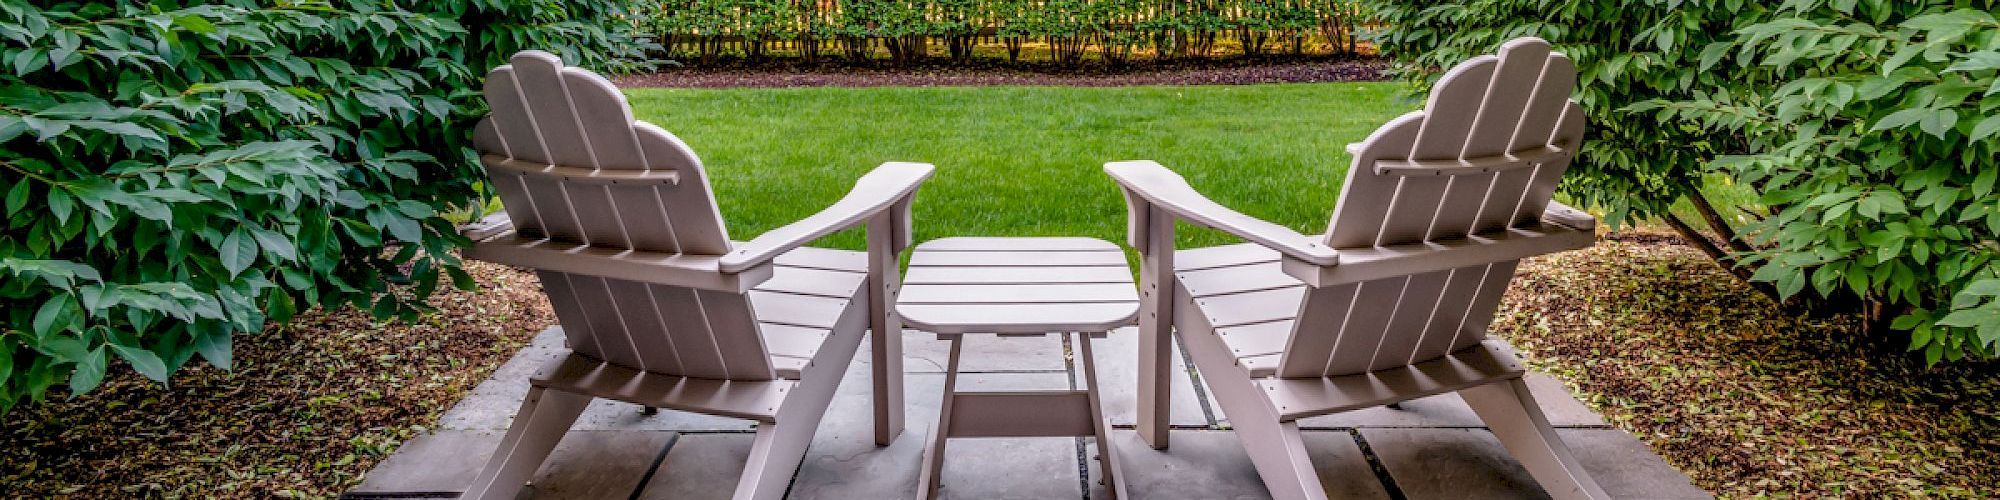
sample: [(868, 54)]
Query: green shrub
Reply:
[(176, 175), (1866, 128)]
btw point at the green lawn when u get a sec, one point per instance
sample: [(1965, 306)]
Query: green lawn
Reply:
[(1024, 161)]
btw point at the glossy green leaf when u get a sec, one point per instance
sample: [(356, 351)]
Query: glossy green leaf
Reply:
[(238, 251)]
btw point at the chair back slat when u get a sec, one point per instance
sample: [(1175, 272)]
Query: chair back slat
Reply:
[(608, 327), (1328, 310), (690, 211), (646, 328), (547, 114), (1448, 121), (1485, 126)]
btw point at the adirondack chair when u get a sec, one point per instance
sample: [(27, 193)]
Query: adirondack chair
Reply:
[(1393, 302), (659, 307)]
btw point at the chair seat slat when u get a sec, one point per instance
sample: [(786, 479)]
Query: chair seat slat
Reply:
[(1265, 275), (1222, 256), (794, 309)]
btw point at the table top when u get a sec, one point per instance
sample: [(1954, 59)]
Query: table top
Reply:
[(1017, 286)]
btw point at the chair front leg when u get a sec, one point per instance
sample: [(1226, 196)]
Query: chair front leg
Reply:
[(888, 234), (1153, 234)]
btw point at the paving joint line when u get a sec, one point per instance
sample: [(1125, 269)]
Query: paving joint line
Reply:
[(658, 460), (1194, 379), (1381, 471), (1082, 453)]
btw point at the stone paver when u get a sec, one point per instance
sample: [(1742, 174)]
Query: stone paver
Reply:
[(1118, 369), (844, 462), (586, 464), (492, 404), (1471, 464), (1448, 410), (1432, 447), (700, 466), (924, 353), (1212, 464)]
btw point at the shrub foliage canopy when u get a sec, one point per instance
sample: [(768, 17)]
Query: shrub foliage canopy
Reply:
[(174, 175), (1868, 130)]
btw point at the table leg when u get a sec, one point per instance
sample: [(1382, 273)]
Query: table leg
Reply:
[(1114, 479), (929, 480)]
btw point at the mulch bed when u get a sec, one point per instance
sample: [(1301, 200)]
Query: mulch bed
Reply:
[(1746, 398), (309, 408), (1238, 72)]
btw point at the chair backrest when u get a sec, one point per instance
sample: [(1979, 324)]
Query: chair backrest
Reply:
[(572, 165), (1483, 156)]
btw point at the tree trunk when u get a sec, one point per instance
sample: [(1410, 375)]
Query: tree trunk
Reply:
[(1716, 222), (1721, 258)]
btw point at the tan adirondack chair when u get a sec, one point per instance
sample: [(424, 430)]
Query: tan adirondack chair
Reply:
[(660, 308), (1392, 303)]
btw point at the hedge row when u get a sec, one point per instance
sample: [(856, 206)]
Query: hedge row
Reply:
[(1115, 29), (174, 176), (1864, 133)]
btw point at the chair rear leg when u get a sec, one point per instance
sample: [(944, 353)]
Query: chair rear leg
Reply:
[(1510, 411), (545, 416)]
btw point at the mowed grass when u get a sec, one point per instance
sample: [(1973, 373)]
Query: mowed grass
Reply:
[(1024, 161)]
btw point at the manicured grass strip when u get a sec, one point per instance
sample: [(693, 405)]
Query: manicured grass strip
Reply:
[(1024, 161)]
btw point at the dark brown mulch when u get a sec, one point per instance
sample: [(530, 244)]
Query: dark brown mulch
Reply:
[(829, 75), (1746, 398), (309, 408)]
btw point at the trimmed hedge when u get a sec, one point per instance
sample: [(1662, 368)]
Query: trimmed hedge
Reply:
[(1867, 130), (905, 28), (176, 175)]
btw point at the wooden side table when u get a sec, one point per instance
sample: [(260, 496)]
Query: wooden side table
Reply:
[(1018, 286)]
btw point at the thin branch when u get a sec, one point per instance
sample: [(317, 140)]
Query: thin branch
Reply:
[(30, 175)]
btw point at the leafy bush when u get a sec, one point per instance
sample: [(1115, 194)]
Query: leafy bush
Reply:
[(174, 176), (1867, 129)]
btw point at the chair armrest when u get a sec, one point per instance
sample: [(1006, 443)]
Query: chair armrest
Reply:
[(487, 227), (880, 190), (1558, 213), (1167, 190)]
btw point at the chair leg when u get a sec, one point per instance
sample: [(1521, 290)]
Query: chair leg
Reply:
[(1279, 454), (545, 416), (780, 446), (774, 457), (1510, 411), (1275, 447)]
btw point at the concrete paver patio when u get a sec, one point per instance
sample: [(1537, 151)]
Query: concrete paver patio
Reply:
[(1428, 448)]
